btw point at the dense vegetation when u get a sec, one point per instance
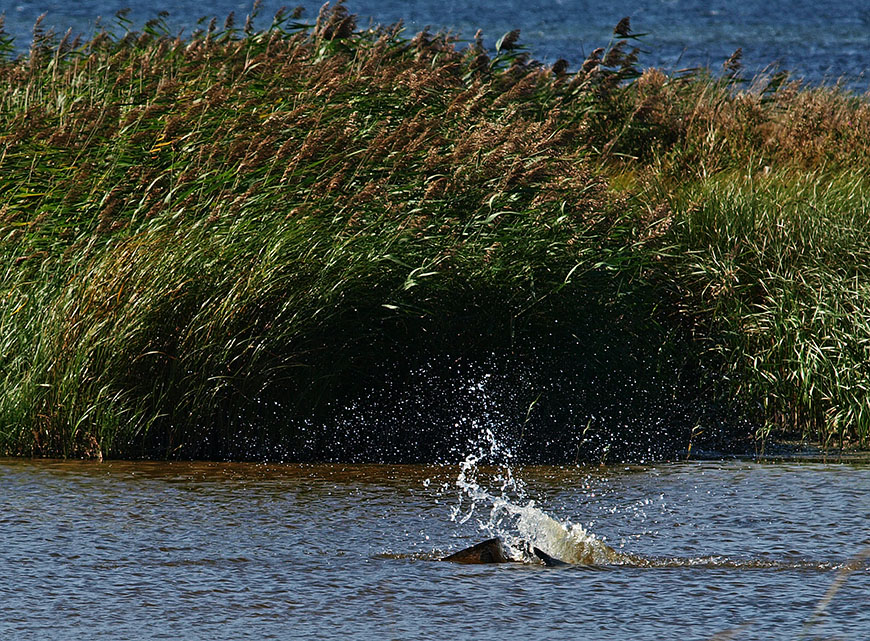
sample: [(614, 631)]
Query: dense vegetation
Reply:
[(236, 244)]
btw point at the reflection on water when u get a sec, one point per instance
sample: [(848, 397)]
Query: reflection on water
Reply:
[(123, 550)]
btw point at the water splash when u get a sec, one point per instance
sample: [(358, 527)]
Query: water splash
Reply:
[(514, 518)]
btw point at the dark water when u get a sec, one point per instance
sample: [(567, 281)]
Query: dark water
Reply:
[(125, 550), (818, 41)]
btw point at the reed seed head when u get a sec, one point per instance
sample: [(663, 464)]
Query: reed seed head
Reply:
[(623, 27)]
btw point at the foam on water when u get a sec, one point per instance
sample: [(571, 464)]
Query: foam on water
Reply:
[(519, 523), (493, 494)]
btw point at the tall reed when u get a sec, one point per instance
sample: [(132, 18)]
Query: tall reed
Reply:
[(192, 229)]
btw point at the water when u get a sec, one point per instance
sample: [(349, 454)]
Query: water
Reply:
[(143, 550), (818, 41)]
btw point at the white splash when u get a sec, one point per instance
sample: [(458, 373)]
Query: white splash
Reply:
[(517, 521)]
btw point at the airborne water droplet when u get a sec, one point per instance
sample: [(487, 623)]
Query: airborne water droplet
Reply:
[(517, 521)]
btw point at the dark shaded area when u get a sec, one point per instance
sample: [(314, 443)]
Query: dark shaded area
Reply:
[(489, 551), (583, 381)]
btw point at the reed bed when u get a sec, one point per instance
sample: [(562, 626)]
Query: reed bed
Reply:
[(209, 243)]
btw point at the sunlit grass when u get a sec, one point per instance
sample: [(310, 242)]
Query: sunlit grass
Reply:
[(188, 226), (778, 268)]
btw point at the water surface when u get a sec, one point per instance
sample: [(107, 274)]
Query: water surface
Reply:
[(818, 41), (138, 550)]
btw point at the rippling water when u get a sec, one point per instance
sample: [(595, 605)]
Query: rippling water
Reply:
[(125, 550), (819, 41)]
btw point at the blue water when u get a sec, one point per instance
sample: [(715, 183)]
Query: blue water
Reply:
[(821, 42), (134, 551)]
